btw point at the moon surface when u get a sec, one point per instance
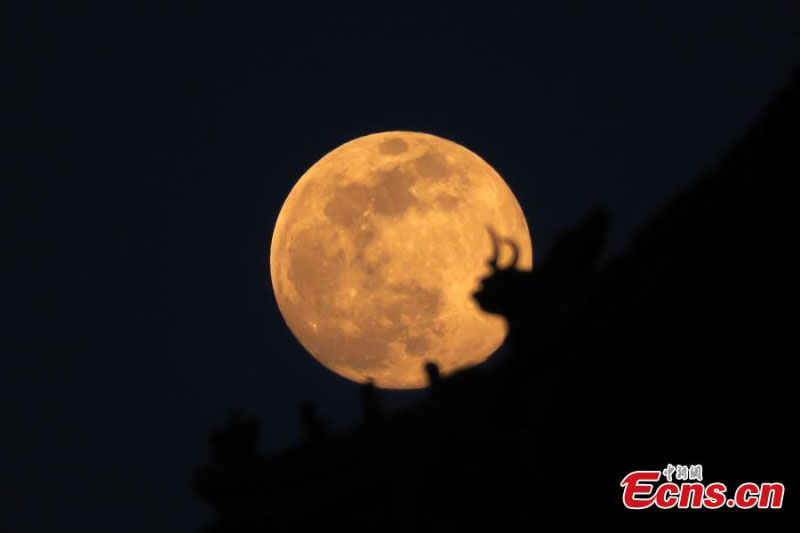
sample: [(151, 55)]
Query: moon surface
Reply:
[(378, 249)]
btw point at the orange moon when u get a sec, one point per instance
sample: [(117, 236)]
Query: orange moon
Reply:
[(377, 251)]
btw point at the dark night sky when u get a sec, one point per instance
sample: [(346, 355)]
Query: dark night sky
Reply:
[(151, 151)]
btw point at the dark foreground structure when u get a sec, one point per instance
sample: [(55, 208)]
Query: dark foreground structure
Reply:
[(675, 351)]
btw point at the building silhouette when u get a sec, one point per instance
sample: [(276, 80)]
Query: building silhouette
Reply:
[(675, 350)]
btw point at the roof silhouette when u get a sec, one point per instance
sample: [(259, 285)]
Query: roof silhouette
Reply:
[(670, 351)]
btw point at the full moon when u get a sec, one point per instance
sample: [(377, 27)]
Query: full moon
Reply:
[(377, 251)]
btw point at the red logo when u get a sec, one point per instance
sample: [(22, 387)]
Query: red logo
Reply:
[(641, 489)]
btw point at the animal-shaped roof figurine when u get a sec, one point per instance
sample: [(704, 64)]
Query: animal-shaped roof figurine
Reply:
[(528, 299)]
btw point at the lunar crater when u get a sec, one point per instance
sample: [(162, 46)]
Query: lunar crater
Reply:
[(393, 146)]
